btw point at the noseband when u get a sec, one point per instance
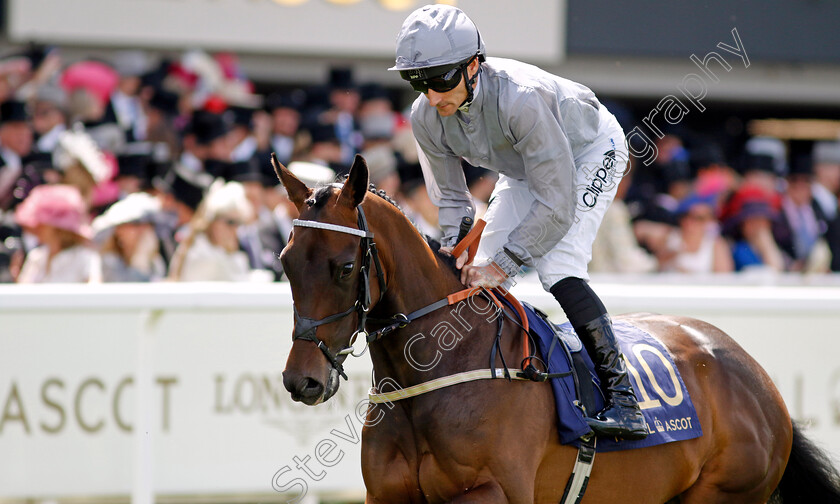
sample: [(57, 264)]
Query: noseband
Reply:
[(305, 327)]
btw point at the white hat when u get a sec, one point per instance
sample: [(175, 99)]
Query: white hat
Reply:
[(312, 174), (76, 145), (770, 147), (136, 207), (227, 199)]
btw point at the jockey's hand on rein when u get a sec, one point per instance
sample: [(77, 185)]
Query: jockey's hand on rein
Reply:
[(461, 260), (488, 276)]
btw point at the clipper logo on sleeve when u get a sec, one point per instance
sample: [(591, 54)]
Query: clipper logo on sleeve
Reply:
[(602, 180)]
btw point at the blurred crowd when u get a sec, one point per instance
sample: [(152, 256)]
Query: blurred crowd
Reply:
[(135, 169), (773, 207), (141, 169)]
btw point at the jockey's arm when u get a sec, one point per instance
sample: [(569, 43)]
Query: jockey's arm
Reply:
[(446, 185), (544, 144)]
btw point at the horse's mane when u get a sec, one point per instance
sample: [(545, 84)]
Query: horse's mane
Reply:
[(323, 193)]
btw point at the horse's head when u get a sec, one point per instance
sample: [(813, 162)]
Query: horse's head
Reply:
[(331, 264)]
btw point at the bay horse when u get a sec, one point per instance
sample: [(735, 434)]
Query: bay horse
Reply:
[(354, 260)]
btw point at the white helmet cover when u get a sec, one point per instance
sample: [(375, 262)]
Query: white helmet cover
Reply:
[(436, 36)]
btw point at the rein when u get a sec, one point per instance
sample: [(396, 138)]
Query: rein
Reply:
[(305, 327)]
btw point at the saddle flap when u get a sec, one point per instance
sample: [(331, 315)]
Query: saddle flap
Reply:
[(569, 337)]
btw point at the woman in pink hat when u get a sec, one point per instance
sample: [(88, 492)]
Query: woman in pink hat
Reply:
[(57, 216)]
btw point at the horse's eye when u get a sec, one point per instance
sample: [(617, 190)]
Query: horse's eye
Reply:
[(346, 270)]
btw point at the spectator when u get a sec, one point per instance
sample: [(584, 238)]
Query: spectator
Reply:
[(180, 192), (654, 197), (57, 216), (764, 163), (15, 144), (615, 249), (161, 112), (377, 122), (242, 140), (260, 236), (49, 117), (129, 247), (748, 220), (344, 103), (89, 85), (420, 208), (826, 188), (135, 167), (697, 247), (480, 182), (799, 231), (285, 110), (212, 252), (325, 149), (206, 144), (83, 165), (125, 103)]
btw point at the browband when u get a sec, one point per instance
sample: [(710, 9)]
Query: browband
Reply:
[(332, 227)]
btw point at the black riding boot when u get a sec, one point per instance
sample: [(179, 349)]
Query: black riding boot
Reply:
[(622, 417), (588, 315)]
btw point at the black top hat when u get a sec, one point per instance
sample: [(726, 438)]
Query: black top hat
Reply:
[(158, 162), (269, 176), (373, 91), (321, 132), (207, 127), (802, 165), (187, 187), (758, 162), (295, 100), (165, 101), (135, 165), (40, 161), (675, 170), (241, 116), (341, 78), (217, 168), (13, 111), (707, 154), (245, 171), (157, 75)]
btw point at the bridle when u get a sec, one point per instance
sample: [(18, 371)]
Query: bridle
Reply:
[(305, 327)]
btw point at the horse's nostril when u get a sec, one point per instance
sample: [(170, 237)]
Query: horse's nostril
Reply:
[(311, 387)]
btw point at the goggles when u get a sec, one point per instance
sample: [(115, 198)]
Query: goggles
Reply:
[(440, 84)]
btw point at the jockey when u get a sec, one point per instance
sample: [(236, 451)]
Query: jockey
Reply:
[(560, 155)]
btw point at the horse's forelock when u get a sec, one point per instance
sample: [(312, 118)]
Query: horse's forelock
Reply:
[(320, 197)]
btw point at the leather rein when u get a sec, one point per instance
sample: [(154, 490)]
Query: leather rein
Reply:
[(305, 327)]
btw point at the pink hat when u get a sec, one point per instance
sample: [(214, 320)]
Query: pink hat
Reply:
[(97, 78), (57, 205)]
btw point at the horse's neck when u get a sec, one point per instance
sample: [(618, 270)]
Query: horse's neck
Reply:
[(417, 278)]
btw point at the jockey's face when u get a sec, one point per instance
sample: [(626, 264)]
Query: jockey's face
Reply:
[(447, 103)]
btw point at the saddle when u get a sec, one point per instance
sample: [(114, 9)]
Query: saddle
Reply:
[(662, 395)]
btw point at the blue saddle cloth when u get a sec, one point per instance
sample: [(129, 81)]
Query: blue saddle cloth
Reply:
[(662, 395)]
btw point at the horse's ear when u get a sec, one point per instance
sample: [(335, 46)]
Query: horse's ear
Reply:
[(298, 191), (356, 186)]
